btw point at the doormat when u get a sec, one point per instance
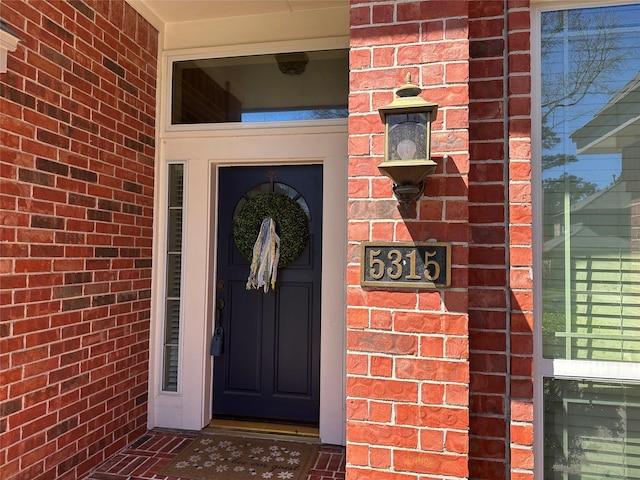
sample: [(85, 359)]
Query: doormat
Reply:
[(228, 457)]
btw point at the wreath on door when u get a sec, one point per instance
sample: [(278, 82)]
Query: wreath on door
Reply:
[(291, 224)]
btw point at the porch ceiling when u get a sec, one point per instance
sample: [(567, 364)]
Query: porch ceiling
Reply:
[(176, 11)]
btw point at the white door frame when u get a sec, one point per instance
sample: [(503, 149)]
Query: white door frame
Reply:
[(202, 153)]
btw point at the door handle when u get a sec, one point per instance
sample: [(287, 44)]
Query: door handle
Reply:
[(217, 342)]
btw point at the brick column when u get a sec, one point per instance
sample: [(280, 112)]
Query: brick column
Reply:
[(500, 251), (407, 351)]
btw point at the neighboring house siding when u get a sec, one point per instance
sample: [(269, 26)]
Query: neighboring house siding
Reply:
[(78, 107), (441, 382)]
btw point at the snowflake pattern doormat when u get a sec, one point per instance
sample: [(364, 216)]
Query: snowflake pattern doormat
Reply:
[(226, 457)]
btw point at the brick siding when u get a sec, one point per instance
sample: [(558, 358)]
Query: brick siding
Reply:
[(440, 382), (76, 193), (500, 283), (407, 352)]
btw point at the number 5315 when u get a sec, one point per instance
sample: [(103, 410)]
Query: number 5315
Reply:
[(425, 265)]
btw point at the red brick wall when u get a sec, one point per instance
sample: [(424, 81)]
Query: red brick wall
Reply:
[(77, 165), (440, 382), (407, 351), (500, 252)]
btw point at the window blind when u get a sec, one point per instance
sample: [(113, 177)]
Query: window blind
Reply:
[(173, 278)]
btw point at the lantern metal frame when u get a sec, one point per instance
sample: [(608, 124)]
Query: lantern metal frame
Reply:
[(407, 142)]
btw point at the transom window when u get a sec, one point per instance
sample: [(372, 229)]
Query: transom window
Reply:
[(310, 85), (590, 182)]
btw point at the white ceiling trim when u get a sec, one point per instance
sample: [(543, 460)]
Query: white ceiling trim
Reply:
[(178, 11)]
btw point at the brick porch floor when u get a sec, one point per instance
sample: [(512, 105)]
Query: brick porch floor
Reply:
[(144, 458)]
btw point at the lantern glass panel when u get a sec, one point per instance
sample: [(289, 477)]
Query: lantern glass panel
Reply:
[(407, 136)]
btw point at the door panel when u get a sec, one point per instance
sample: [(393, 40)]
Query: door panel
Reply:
[(293, 339), (270, 365), (243, 365)]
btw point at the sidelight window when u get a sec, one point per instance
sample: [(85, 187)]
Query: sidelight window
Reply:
[(173, 278)]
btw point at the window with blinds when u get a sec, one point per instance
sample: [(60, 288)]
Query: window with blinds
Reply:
[(592, 430), (173, 278), (590, 175)]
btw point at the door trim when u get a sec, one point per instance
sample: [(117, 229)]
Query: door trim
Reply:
[(190, 408)]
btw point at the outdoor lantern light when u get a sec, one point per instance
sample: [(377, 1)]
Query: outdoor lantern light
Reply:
[(407, 142)]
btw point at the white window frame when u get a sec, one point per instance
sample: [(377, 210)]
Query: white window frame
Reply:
[(609, 371), (169, 58)]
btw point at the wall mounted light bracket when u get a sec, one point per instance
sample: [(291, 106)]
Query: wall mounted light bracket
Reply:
[(407, 142)]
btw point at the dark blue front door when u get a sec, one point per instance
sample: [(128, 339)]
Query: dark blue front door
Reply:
[(269, 368)]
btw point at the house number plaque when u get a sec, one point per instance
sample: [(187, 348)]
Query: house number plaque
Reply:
[(405, 264)]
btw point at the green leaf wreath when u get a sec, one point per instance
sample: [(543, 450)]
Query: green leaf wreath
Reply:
[(290, 218)]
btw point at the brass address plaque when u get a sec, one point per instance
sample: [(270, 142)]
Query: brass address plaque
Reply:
[(425, 265)]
